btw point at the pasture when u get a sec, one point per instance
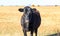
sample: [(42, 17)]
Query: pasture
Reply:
[(10, 20)]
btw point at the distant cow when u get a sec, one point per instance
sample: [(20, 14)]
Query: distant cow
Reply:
[(30, 20)]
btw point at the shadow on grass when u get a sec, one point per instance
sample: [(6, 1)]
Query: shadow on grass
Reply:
[(56, 34)]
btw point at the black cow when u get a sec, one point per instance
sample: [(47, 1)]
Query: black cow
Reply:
[(30, 20)]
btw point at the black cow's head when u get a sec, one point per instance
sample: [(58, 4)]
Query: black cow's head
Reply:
[(26, 9)]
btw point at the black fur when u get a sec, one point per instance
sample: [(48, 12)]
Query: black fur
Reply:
[(34, 20)]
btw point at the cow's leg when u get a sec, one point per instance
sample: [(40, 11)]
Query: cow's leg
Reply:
[(35, 32), (31, 34), (25, 33)]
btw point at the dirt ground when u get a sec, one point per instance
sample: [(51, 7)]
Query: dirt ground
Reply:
[(10, 20)]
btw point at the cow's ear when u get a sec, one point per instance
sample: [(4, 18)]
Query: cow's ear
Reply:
[(34, 9), (20, 9)]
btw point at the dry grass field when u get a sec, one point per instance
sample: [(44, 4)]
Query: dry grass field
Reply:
[(10, 20)]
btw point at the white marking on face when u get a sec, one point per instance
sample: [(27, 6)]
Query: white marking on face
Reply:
[(24, 10), (29, 11)]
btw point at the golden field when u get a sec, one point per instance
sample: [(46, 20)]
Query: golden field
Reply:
[(10, 20)]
